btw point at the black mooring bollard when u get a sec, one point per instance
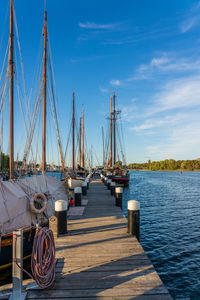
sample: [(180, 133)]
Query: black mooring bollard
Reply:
[(84, 188), (108, 184), (61, 215), (77, 196), (112, 188), (134, 218), (118, 196)]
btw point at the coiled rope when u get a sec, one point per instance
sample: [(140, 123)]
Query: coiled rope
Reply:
[(43, 260)]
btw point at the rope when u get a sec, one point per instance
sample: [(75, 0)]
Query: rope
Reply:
[(43, 260)]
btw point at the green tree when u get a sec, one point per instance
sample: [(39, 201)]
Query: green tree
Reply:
[(119, 163)]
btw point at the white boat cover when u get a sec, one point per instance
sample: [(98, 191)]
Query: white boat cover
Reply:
[(73, 183), (15, 198)]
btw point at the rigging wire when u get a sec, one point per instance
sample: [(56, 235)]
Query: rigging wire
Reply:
[(3, 110), (37, 153), (32, 126), (4, 26), (20, 54), (3, 89), (21, 106), (53, 107), (1, 134), (4, 60)]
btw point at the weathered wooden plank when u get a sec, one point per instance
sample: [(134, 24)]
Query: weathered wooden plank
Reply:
[(99, 260), (102, 268), (103, 258), (116, 291), (141, 297), (142, 271), (82, 283)]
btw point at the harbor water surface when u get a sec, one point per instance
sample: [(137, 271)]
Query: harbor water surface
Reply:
[(170, 226)]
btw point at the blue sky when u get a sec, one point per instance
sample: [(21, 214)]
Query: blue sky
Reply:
[(147, 51)]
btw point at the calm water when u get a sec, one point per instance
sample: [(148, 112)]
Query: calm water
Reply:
[(170, 226)]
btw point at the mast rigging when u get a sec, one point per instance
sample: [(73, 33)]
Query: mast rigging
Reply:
[(80, 142), (111, 137), (83, 154), (114, 129), (73, 136), (44, 95), (11, 94)]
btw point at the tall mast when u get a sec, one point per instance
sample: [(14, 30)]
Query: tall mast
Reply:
[(114, 130), (11, 94), (83, 158), (80, 142), (73, 135), (103, 146), (44, 95), (111, 138)]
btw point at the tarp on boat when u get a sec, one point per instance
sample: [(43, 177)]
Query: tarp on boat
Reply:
[(53, 189), (14, 207), (15, 198)]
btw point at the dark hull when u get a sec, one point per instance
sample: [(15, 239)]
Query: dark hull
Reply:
[(121, 179), (6, 247)]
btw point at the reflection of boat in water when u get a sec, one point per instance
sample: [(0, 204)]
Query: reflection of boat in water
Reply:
[(114, 169), (25, 202)]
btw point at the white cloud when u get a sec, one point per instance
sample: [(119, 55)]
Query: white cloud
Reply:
[(93, 25), (189, 24), (181, 144), (149, 125), (196, 6), (168, 64), (159, 61), (137, 77), (115, 82), (128, 113), (177, 94), (103, 90)]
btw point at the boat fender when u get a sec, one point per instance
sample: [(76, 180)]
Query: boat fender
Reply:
[(32, 203)]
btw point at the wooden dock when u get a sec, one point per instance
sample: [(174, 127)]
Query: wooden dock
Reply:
[(99, 260)]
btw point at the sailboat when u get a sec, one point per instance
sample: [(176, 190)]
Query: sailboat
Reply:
[(113, 170), (29, 201), (77, 175)]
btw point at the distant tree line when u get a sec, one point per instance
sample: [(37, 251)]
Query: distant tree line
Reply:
[(4, 161), (167, 164)]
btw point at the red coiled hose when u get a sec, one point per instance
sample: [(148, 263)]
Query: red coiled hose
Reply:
[(43, 260)]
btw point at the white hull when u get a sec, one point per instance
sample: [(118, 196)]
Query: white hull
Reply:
[(73, 183)]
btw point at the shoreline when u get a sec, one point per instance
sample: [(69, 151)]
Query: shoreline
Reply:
[(178, 170)]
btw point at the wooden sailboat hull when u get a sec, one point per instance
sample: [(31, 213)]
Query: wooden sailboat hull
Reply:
[(7, 245), (121, 180)]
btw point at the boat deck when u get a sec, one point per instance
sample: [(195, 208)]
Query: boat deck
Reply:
[(99, 260)]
